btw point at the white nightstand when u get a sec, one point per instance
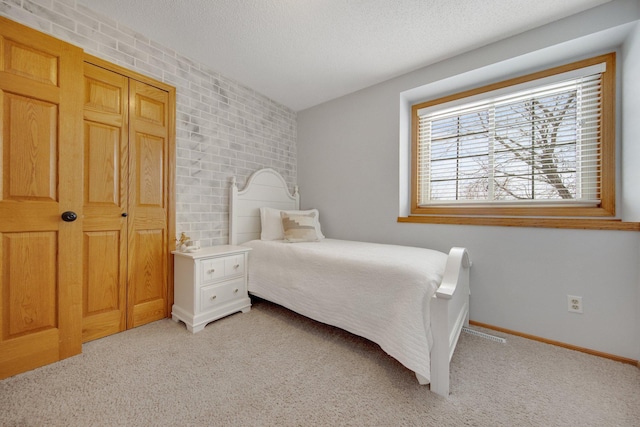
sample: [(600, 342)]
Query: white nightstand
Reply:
[(209, 284)]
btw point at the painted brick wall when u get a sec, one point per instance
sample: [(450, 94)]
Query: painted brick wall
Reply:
[(223, 128)]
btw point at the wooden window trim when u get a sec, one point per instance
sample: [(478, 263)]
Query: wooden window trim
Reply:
[(569, 223), (601, 217)]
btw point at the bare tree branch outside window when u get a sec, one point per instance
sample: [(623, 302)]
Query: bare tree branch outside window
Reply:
[(527, 149)]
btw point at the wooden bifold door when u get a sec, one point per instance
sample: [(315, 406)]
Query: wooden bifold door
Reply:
[(86, 198), (125, 232)]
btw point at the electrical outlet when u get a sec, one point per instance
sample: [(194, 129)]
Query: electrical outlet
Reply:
[(574, 304)]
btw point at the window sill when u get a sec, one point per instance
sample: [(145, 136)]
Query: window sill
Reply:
[(572, 223)]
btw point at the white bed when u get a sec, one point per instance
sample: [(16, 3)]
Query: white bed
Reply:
[(412, 302)]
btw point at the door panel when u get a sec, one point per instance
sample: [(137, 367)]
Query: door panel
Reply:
[(102, 165), (30, 169), (102, 244), (148, 293), (148, 195), (150, 183), (30, 293), (148, 276), (40, 145), (31, 62), (151, 106), (105, 202)]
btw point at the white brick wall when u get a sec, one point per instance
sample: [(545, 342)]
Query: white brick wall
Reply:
[(223, 128)]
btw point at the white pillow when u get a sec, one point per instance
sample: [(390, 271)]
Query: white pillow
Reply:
[(272, 223)]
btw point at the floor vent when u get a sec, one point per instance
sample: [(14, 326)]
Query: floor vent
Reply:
[(483, 335)]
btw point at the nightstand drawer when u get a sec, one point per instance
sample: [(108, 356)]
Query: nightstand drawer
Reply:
[(221, 268), (213, 269), (215, 295), (234, 265)]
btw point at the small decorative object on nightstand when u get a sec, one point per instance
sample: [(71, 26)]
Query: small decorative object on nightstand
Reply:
[(209, 284), (182, 242)]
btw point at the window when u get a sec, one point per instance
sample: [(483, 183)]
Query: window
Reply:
[(541, 145)]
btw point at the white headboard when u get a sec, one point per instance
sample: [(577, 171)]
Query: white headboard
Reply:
[(265, 188)]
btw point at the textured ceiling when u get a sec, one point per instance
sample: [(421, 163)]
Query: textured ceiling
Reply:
[(303, 52)]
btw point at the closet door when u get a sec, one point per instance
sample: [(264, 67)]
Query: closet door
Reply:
[(148, 203), (41, 149), (106, 175), (126, 197)]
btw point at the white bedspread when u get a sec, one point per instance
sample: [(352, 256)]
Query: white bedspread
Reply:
[(379, 292)]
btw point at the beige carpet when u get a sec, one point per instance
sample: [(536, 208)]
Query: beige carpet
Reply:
[(271, 367)]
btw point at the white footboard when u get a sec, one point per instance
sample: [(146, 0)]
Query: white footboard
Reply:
[(449, 313)]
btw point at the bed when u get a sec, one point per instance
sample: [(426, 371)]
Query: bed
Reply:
[(412, 302)]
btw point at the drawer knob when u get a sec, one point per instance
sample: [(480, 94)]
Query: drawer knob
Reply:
[(235, 291), (213, 297), (212, 270), (236, 266)]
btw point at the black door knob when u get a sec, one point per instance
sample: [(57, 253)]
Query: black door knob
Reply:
[(69, 216), (124, 214)]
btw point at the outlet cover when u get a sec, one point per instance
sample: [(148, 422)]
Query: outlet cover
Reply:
[(574, 304)]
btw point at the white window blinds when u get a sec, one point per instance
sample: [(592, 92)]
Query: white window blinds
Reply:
[(537, 143)]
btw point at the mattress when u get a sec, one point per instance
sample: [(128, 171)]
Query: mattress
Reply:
[(379, 292)]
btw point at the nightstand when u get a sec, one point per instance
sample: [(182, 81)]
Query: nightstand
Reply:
[(209, 284)]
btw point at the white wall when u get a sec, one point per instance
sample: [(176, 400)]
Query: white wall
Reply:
[(348, 167), (631, 136), (223, 128), (631, 125)]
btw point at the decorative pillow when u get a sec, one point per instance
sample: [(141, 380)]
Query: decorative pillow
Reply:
[(299, 227), (271, 223)]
